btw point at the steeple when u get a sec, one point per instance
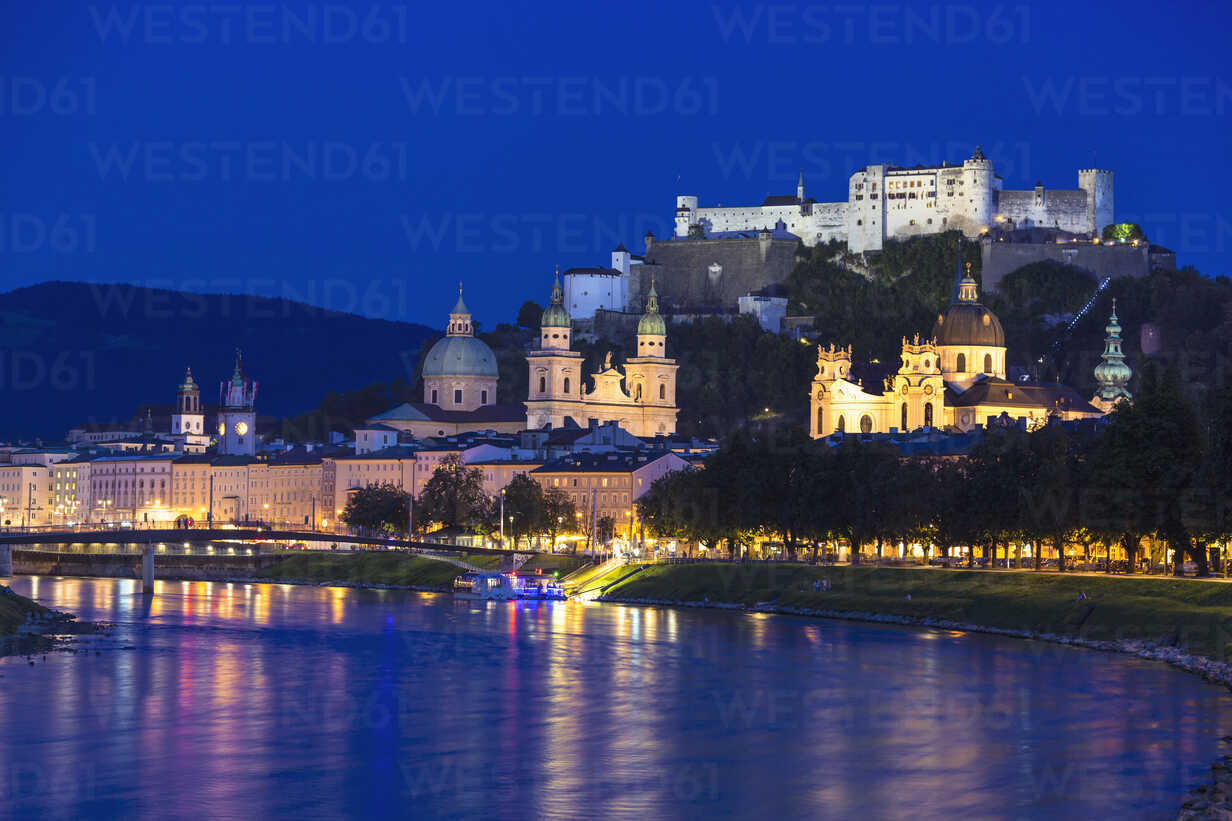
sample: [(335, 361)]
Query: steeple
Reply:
[(556, 316), (460, 318), (800, 187), (188, 384), (237, 377), (1112, 373), (651, 323)]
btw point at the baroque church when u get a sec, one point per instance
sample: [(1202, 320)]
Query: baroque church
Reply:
[(641, 398), (955, 379)]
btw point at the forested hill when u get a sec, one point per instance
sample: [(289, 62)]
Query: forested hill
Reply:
[(75, 352)]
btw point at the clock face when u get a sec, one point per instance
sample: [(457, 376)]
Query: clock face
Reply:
[(928, 389), (241, 428), (222, 428)]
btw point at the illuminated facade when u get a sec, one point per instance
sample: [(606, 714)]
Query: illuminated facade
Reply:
[(641, 398), (954, 380)]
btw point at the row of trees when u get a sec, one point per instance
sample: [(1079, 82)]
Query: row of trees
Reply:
[(454, 498), (1160, 470)]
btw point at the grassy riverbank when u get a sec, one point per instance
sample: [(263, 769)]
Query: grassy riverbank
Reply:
[(396, 568), (1188, 614), (14, 609)]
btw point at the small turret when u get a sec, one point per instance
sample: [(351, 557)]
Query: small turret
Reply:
[(800, 187), (460, 318)]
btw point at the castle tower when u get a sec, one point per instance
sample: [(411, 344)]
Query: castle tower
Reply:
[(1112, 373), (188, 417), (978, 208), (650, 377), (1098, 185), (237, 417), (460, 371), (686, 215), (554, 389)]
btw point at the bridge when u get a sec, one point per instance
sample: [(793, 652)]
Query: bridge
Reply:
[(201, 541)]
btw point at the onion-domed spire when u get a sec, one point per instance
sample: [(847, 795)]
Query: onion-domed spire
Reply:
[(651, 321), (556, 316), (1112, 373)]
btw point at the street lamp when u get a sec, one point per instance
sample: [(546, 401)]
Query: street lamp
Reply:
[(502, 517)]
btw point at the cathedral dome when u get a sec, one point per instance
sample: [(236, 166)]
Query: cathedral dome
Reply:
[(460, 356), (966, 322), (972, 325)]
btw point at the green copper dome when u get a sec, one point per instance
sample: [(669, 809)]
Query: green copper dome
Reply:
[(651, 322), (556, 316)]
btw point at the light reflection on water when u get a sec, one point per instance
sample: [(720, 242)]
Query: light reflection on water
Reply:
[(273, 700)]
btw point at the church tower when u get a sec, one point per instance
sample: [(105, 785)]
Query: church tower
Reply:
[(1112, 373), (237, 418), (555, 384), (188, 417), (650, 377)]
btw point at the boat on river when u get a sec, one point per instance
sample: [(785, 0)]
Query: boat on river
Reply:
[(507, 587)]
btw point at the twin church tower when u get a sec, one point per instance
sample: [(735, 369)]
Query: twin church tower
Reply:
[(644, 405)]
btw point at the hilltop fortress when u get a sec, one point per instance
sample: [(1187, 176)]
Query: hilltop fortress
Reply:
[(889, 202)]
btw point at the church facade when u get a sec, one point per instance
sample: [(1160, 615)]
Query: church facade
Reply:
[(955, 379), (641, 398)]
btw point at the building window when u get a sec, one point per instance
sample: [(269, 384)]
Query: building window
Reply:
[(903, 415), (928, 415), (663, 392), (457, 397), (962, 363), (543, 384), (842, 424), (866, 424), (433, 397), (566, 384), (987, 363)]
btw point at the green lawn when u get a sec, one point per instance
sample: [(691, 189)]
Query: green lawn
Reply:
[(1191, 614), (14, 609), (364, 568)]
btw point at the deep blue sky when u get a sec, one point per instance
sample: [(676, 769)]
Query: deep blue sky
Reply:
[(488, 141)]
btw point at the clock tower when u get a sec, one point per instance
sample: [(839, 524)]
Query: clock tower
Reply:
[(237, 419)]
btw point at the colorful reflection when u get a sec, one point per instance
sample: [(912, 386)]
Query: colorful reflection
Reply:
[(273, 700)]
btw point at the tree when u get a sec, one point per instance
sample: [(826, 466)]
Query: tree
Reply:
[(1122, 232), (524, 506), (384, 508), (454, 496), (605, 530), (529, 315), (697, 231), (559, 513), (1147, 462)]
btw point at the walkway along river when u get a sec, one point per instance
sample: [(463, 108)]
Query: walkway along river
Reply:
[(253, 700)]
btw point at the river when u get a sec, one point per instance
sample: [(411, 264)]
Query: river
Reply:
[(214, 700)]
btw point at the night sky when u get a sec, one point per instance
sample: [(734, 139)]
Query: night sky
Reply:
[(367, 156)]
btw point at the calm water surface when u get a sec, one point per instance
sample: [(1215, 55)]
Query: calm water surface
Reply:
[(255, 701)]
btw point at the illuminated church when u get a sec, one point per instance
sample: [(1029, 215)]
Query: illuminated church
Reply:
[(954, 380), (641, 398)]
